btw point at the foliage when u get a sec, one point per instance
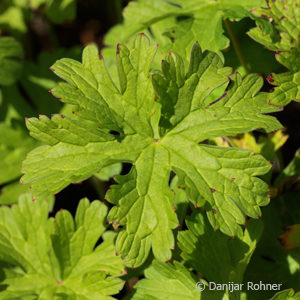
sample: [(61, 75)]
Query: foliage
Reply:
[(197, 164), (279, 30), (156, 137), (167, 22), (58, 258)]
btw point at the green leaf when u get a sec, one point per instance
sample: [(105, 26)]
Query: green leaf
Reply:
[(56, 256), (37, 80), (229, 258), (156, 125), (286, 295), (10, 68), (292, 169), (287, 87), (12, 17), (58, 11), (10, 193), (15, 144), (143, 201), (167, 281), (283, 32), (279, 30), (14, 106), (168, 22), (107, 172)]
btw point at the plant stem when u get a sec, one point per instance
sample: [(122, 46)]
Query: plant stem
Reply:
[(236, 46)]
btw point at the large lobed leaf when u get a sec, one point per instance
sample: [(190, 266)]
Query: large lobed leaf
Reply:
[(158, 131), (55, 258)]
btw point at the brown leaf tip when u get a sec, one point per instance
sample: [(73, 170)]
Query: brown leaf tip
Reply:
[(118, 48), (270, 78)]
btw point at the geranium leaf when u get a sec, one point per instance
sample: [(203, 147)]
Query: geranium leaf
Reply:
[(180, 282), (53, 257), (156, 125)]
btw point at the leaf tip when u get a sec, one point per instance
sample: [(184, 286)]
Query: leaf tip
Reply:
[(106, 194), (118, 49), (270, 78)]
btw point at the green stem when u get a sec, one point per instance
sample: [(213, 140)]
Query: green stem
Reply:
[(236, 46)]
